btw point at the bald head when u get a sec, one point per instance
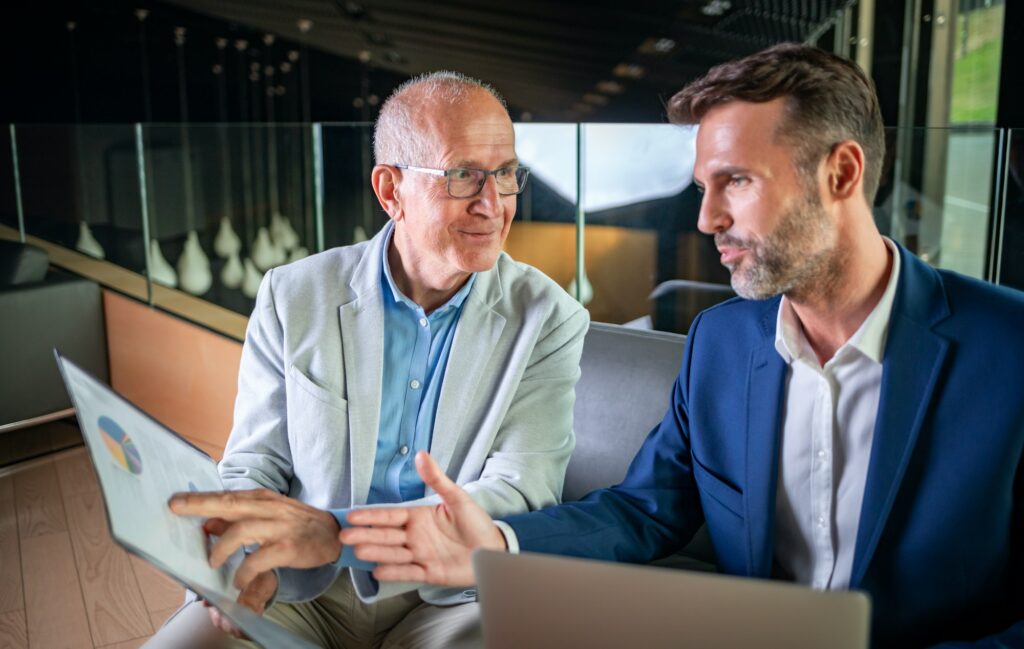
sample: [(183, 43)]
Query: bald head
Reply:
[(408, 120)]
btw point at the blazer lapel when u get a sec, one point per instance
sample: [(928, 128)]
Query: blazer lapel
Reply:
[(476, 338), (765, 393), (913, 361), (362, 341)]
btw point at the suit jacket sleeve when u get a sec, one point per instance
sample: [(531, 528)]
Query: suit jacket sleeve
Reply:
[(525, 469), (655, 509)]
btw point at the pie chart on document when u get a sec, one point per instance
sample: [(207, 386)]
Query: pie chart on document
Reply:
[(120, 446)]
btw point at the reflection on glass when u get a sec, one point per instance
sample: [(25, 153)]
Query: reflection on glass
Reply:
[(246, 213), (253, 202), (1009, 269), (976, 61), (936, 192), (641, 234)]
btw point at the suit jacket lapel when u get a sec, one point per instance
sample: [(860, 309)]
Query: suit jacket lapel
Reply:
[(913, 361), (362, 338), (476, 337), (765, 393)]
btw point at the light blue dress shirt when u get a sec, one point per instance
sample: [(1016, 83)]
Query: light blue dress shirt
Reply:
[(416, 350)]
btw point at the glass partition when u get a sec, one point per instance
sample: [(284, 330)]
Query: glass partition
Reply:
[(350, 209), (544, 233), (936, 193), (225, 204), (1009, 266), (609, 213), (645, 260), (8, 192), (79, 189)]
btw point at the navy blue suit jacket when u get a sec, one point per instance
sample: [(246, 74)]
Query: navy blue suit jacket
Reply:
[(940, 546)]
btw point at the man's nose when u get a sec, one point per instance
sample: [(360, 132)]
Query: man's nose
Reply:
[(488, 195), (713, 216)]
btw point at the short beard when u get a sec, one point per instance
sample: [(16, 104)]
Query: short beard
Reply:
[(798, 258)]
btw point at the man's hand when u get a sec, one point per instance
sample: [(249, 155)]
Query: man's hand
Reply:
[(429, 544), (255, 597), (289, 533)]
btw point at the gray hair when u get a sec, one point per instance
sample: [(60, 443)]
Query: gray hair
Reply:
[(396, 137)]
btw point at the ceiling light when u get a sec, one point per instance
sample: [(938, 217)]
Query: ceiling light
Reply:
[(629, 71), (656, 46), (716, 7), (595, 99), (610, 87), (664, 45)]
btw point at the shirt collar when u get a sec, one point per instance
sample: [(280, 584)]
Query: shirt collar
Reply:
[(396, 293), (869, 338)]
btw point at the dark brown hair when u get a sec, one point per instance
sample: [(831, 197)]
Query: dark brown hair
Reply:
[(828, 99)]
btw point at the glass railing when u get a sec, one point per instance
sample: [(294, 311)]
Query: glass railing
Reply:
[(610, 211)]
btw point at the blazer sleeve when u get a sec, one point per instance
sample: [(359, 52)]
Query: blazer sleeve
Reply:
[(654, 511), (525, 469), (257, 454)]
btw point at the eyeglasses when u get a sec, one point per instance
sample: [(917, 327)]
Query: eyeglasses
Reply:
[(464, 182)]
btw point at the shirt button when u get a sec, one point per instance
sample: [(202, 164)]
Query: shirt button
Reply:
[(821, 454), (423, 322), (404, 450), (414, 384), (821, 521)]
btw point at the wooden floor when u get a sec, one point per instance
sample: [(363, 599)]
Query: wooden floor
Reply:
[(63, 582)]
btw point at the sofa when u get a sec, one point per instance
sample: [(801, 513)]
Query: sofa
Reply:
[(626, 377), (42, 308)]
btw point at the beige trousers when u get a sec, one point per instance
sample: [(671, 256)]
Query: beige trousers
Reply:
[(339, 619)]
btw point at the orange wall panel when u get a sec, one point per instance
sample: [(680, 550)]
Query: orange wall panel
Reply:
[(183, 375)]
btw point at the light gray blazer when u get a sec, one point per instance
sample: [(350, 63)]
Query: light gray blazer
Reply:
[(309, 394)]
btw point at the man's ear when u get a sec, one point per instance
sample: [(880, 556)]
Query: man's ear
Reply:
[(845, 168), (384, 180)]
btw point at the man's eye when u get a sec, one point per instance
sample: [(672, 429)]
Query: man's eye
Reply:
[(504, 172), (738, 181), (460, 174)]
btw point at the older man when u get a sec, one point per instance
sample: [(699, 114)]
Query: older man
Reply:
[(426, 337), (856, 422)]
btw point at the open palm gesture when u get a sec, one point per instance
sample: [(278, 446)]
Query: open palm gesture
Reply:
[(431, 544)]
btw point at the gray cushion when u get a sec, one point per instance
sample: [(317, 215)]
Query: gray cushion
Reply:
[(623, 392), (626, 378), (63, 311)]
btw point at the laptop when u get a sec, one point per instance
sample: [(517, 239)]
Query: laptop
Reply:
[(139, 463), (536, 601)]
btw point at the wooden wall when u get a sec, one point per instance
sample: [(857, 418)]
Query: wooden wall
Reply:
[(183, 375)]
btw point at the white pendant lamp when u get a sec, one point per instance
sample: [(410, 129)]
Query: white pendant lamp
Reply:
[(264, 253), (87, 243), (226, 243), (233, 272), (251, 279), (586, 289), (159, 270), (194, 267), (282, 233)]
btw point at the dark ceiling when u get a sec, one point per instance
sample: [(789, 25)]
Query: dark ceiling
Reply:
[(554, 60)]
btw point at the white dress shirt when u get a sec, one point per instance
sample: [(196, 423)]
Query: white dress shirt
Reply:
[(828, 425)]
